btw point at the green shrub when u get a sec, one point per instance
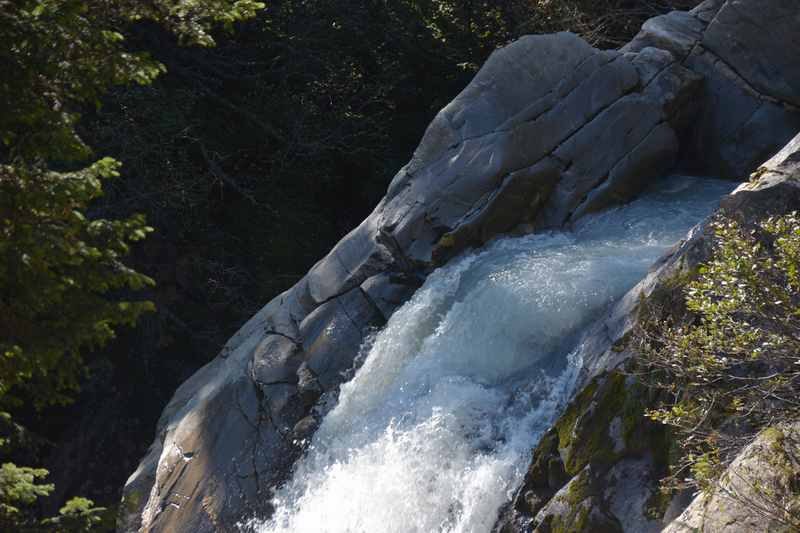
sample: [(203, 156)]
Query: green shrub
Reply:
[(730, 366), (64, 285)]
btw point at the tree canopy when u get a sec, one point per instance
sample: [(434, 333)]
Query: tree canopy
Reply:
[(64, 285)]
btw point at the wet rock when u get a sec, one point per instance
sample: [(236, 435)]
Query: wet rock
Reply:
[(333, 333), (304, 429), (597, 468), (308, 386), (578, 506), (388, 291)]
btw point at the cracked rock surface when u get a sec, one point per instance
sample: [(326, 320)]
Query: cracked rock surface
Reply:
[(746, 52), (550, 129)]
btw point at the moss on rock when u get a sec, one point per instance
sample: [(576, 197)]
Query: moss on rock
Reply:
[(544, 478), (603, 425), (606, 422), (578, 507)]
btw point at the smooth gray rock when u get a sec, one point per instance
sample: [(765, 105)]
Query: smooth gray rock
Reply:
[(648, 160), (274, 361), (595, 150), (740, 129), (707, 10), (308, 386), (333, 333), (745, 51), (676, 32), (650, 62), (756, 492), (760, 41), (786, 160), (389, 291), (520, 196)]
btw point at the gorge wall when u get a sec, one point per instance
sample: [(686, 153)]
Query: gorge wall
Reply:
[(549, 130)]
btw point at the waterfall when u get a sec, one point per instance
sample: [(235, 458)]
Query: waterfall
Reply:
[(435, 429)]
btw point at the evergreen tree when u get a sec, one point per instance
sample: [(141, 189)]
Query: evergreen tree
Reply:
[(64, 285)]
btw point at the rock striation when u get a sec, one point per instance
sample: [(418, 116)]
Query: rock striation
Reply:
[(550, 129), (744, 50)]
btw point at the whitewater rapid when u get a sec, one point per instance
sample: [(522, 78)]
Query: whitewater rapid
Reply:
[(434, 431)]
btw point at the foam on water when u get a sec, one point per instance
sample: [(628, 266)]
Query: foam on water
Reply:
[(434, 431)]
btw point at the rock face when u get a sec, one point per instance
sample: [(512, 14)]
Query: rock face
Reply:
[(745, 50), (764, 477), (598, 468), (593, 470), (550, 129)]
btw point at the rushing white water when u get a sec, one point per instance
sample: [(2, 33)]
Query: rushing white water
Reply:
[(435, 430)]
